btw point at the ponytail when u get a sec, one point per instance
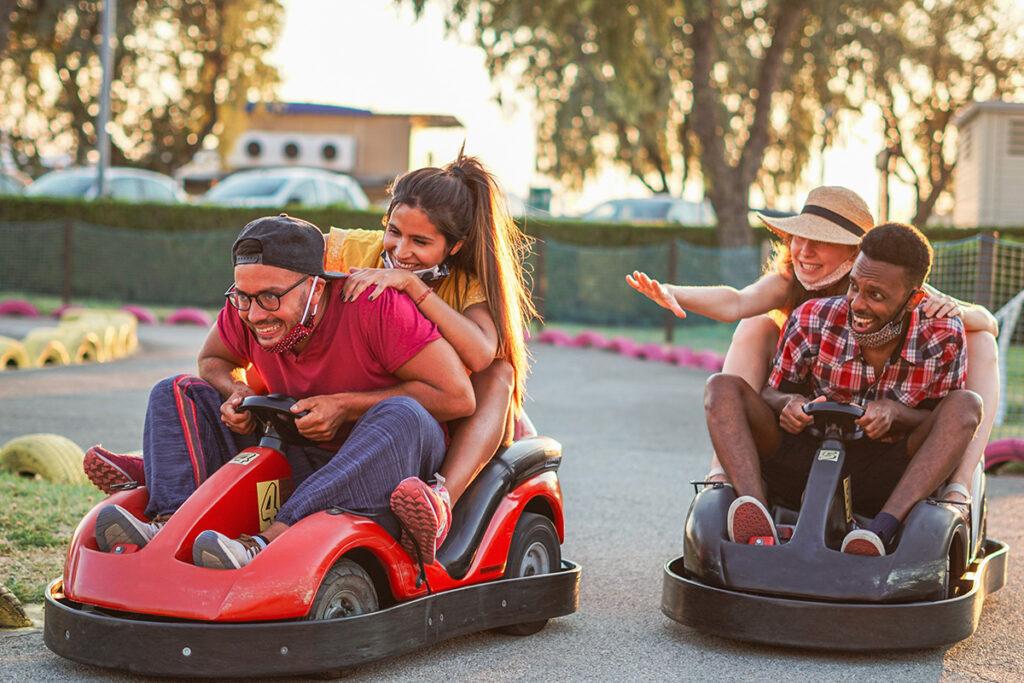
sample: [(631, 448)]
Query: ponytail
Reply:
[(464, 201)]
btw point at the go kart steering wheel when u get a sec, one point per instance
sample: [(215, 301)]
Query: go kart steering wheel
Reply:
[(273, 412), (835, 420)]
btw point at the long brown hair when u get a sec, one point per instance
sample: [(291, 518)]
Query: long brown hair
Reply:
[(464, 202), (781, 262)]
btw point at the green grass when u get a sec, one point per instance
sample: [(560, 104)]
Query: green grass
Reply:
[(37, 519), (715, 337)]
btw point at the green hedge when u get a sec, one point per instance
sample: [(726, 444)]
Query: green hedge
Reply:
[(189, 217), (168, 217)]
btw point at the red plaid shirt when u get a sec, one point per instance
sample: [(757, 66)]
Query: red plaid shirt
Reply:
[(817, 345)]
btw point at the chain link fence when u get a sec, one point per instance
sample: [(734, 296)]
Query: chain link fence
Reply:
[(572, 284)]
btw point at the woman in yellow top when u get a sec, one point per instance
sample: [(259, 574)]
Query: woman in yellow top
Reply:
[(450, 244), (813, 260)]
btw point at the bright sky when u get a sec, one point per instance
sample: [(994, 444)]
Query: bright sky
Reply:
[(373, 54)]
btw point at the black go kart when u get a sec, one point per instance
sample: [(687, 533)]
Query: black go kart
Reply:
[(804, 592)]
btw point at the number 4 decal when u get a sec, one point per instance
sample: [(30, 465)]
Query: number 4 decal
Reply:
[(268, 495)]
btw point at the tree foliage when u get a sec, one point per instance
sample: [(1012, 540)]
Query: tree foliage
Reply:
[(734, 88), (946, 54), (178, 65)]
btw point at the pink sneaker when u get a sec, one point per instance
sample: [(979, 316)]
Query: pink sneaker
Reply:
[(425, 513), (108, 470), (748, 519)]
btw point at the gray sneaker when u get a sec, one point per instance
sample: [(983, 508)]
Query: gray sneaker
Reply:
[(217, 551), (116, 525)]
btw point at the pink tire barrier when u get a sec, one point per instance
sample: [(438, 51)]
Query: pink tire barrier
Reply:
[(1000, 452), (655, 352), (590, 338), (555, 338), (190, 316), (624, 346), (710, 360), (142, 314), (685, 357), (18, 307)]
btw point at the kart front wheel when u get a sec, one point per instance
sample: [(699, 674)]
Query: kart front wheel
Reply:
[(534, 550), (347, 591)]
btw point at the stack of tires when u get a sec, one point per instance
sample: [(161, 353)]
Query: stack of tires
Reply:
[(81, 336)]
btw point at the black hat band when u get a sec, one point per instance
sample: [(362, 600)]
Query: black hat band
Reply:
[(833, 217)]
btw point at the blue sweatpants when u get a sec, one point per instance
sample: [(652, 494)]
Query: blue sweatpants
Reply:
[(185, 441)]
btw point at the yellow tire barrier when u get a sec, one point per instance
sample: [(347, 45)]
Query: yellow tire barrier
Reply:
[(83, 344), (12, 354), (44, 347), (82, 335), (12, 613), (51, 456), (117, 329)]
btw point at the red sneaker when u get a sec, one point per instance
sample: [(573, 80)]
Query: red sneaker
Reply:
[(749, 519), (426, 516), (863, 542), (108, 470)]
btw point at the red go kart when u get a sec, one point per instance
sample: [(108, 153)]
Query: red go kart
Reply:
[(334, 591)]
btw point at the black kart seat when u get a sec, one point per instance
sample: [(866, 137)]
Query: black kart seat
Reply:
[(507, 469)]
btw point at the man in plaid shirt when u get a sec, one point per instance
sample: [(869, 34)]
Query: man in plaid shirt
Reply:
[(872, 347)]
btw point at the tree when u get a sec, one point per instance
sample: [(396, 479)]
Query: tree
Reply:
[(736, 88), (948, 54), (178, 64)]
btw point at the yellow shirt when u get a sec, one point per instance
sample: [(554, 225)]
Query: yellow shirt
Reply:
[(359, 248)]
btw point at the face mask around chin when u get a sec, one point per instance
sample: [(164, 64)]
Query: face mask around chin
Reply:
[(302, 329), (426, 274), (830, 279)]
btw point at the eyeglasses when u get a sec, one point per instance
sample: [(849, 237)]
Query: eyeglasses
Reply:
[(268, 301)]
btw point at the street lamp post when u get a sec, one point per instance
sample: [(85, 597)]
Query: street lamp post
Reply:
[(107, 61)]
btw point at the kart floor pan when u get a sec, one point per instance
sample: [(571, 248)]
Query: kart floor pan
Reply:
[(834, 625), (205, 649)]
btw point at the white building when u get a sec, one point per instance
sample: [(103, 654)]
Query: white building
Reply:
[(988, 184)]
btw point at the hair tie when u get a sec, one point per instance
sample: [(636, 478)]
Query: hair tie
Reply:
[(458, 172)]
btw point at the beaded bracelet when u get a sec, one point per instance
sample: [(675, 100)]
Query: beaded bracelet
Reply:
[(423, 296)]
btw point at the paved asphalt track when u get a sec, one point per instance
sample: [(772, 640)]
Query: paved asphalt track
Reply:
[(633, 436)]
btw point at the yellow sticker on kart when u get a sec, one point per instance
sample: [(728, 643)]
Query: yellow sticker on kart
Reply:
[(829, 455), (847, 500), (268, 497)]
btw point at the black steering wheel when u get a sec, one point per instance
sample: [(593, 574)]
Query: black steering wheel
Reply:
[(273, 411), (835, 420)]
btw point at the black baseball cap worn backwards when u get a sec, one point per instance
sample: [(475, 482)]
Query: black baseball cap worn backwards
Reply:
[(285, 242)]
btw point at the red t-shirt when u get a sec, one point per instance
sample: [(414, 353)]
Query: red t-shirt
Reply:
[(356, 346)]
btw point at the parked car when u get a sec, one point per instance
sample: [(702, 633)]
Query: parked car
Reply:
[(13, 182), (656, 209), (279, 187), (126, 184)]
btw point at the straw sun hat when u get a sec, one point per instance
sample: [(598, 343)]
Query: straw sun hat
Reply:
[(831, 214)]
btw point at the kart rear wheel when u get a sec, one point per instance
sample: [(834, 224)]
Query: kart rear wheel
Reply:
[(534, 550), (347, 591), (955, 568)]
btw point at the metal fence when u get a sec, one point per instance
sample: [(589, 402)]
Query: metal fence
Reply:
[(586, 285), (572, 284)]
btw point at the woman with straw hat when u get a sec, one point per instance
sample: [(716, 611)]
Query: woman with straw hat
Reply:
[(813, 259)]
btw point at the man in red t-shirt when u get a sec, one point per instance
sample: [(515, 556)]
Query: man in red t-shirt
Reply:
[(374, 377)]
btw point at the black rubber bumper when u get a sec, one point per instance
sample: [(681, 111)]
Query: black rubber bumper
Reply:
[(204, 649), (834, 625)]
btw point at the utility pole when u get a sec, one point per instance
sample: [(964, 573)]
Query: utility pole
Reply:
[(107, 61)]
